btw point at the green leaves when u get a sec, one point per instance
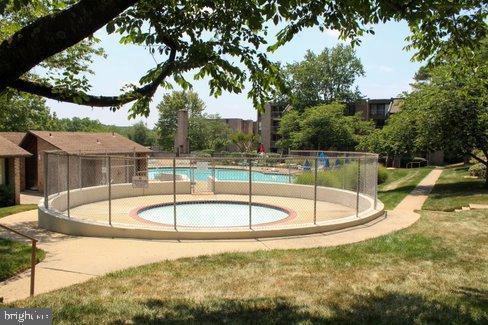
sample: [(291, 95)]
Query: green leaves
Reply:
[(13, 5), (168, 111), (324, 78), (22, 112), (447, 110), (205, 131), (110, 27), (225, 40), (245, 142), (322, 127)]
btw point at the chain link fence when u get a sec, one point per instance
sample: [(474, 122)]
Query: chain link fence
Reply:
[(304, 188)]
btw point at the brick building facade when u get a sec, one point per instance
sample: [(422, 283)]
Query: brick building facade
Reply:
[(11, 157), (86, 163)]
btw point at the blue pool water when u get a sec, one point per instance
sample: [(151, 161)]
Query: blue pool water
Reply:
[(213, 214), (221, 174)]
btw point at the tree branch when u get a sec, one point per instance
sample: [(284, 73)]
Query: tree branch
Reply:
[(81, 98), (478, 158), (54, 33)]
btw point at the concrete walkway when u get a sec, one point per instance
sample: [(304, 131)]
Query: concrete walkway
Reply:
[(30, 197), (70, 260)]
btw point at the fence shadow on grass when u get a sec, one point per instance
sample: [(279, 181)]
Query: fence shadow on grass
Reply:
[(387, 308), (463, 188)]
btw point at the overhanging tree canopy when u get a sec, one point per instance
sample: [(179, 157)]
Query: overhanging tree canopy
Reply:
[(210, 36)]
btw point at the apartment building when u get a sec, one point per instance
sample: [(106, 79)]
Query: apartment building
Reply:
[(240, 125), (376, 110), (268, 124)]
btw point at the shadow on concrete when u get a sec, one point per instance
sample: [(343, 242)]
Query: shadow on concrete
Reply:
[(410, 190), (30, 228)]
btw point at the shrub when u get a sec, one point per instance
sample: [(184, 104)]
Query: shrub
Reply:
[(478, 170), (382, 174), (6, 196), (204, 153), (335, 177)]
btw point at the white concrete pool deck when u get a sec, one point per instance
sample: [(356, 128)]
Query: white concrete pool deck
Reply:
[(121, 208), (70, 260)]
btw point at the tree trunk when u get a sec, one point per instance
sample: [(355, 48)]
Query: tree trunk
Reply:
[(54, 33), (486, 175)]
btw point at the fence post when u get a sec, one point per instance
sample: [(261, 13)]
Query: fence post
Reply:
[(213, 175), (46, 180), (375, 182), (174, 192), (109, 166), (57, 172), (343, 172), (315, 194), (250, 193), (135, 162), (80, 183), (67, 183), (357, 187), (289, 172), (33, 266)]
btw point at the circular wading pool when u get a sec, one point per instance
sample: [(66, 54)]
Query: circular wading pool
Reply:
[(211, 214)]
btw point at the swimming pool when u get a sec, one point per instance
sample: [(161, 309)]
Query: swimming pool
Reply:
[(221, 174), (212, 214)]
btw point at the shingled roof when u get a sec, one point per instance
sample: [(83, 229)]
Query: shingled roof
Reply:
[(15, 137), (90, 143), (10, 149)]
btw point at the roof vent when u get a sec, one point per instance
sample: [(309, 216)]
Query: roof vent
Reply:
[(113, 134), (50, 134), (98, 141)]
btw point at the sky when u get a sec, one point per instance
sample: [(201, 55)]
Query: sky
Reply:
[(388, 72)]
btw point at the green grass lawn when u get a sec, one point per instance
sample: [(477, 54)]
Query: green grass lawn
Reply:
[(400, 182), (433, 272), (6, 211), (15, 256), (456, 189)]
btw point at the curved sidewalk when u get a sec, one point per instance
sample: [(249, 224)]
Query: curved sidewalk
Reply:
[(70, 260)]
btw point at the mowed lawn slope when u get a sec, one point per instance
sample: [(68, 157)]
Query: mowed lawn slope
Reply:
[(433, 272), (6, 211), (400, 182), (455, 189)]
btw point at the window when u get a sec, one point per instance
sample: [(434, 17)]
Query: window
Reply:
[(378, 109), (350, 109)]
